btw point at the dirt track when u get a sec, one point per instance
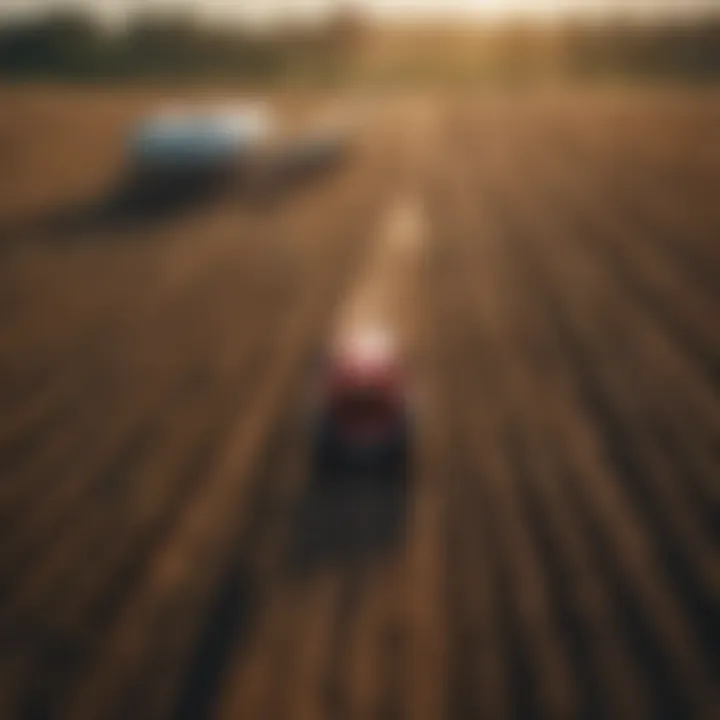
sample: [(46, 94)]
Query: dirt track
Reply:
[(163, 553)]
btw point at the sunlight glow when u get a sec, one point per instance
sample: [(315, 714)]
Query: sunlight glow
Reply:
[(270, 11)]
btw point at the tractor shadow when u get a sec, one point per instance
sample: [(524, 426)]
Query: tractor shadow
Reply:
[(343, 522)]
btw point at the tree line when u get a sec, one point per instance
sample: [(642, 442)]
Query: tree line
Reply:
[(71, 45)]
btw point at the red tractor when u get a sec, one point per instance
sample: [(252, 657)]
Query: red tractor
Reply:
[(362, 419)]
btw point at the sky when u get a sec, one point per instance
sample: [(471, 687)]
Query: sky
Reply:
[(266, 11)]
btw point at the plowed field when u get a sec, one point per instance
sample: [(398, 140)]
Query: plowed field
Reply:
[(555, 550)]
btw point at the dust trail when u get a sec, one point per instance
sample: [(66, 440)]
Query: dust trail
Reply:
[(384, 298)]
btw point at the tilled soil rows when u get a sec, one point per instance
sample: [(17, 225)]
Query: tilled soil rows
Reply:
[(554, 551)]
